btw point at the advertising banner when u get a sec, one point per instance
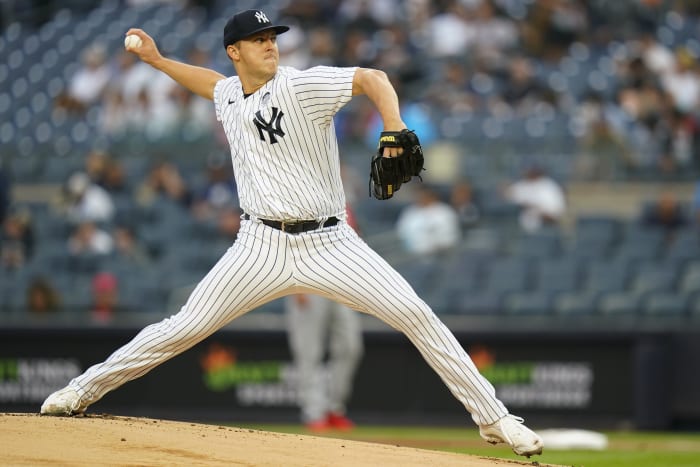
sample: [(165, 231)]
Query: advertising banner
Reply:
[(250, 375)]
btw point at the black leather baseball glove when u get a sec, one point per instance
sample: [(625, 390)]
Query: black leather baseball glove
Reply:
[(388, 173)]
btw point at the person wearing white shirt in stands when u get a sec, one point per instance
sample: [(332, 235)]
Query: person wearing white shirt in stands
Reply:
[(541, 198), (429, 225)]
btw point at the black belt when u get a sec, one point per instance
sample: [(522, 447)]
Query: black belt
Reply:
[(295, 227)]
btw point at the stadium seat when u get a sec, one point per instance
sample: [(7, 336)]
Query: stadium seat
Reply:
[(508, 274), (476, 302), (528, 303), (653, 276), (606, 276), (619, 303), (574, 303), (665, 304), (562, 274), (544, 244)]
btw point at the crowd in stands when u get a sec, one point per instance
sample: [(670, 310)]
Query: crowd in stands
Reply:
[(512, 99)]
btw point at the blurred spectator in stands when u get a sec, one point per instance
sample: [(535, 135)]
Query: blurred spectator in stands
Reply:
[(603, 152), (452, 90), (96, 163), (428, 225), (105, 297), (357, 47), (5, 193), (495, 34), (321, 43), (139, 99), (114, 179), (88, 238), (657, 57), (635, 74), (164, 181), (464, 203), (522, 90), (16, 240), (193, 113), (113, 119), (450, 21), (127, 245), (665, 212), (679, 142), (42, 297), (643, 105), (541, 199), (87, 84), (551, 26), (83, 200), (368, 15), (219, 191), (108, 173), (683, 82), (294, 51)]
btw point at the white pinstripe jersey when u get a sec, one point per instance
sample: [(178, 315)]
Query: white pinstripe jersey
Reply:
[(283, 144)]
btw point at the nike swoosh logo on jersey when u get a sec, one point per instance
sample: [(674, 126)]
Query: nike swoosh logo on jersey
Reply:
[(231, 101)]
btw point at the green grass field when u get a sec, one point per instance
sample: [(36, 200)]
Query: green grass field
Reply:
[(625, 449)]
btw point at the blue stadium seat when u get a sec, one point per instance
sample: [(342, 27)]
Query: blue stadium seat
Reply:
[(654, 276), (575, 303), (684, 246), (476, 302), (531, 303), (665, 304), (558, 275), (508, 274), (543, 244), (689, 278), (620, 303), (606, 276)]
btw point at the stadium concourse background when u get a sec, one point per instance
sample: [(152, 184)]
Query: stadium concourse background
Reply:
[(594, 322)]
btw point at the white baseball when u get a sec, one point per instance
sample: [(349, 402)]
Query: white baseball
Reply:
[(132, 41)]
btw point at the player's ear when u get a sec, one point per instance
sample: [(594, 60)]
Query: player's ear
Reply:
[(233, 52)]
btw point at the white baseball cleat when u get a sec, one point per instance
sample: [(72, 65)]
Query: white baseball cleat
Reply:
[(64, 402), (510, 430)]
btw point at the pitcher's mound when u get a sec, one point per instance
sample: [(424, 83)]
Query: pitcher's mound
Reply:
[(34, 440)]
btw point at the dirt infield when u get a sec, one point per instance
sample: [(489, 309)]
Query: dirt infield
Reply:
[(104, 440)]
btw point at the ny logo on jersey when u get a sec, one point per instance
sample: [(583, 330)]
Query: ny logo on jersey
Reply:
[(272, 126), (261, 17)]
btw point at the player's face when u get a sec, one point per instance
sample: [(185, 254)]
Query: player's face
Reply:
[(259, 53)]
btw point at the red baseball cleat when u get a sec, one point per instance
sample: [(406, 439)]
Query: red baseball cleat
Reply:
[(318, 426), (339, 422)]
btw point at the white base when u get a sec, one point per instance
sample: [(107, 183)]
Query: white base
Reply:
[(559, 439)]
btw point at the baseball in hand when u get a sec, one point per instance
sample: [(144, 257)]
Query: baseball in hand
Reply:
[(132, 41)]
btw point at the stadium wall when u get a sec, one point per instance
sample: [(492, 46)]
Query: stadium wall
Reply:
[(614, 379)]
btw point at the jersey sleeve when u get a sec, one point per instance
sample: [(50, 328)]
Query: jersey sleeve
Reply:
[(323, 90), (222, 89)]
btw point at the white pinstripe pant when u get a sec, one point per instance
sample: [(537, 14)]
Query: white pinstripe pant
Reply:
[(265, 264)]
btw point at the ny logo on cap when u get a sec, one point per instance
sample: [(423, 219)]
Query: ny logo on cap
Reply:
[(261, 17)]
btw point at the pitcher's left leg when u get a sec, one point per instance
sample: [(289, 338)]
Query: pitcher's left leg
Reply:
[(341, 265)]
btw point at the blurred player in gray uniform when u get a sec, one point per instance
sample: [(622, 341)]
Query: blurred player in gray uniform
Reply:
[(294, 237), (315, 325)]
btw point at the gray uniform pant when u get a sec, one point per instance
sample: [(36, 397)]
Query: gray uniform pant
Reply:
[(315, 325)]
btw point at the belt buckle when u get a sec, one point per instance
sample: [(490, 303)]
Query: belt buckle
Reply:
[(288, 226)]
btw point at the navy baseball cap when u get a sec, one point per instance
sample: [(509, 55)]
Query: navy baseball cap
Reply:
[(246, 23)]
